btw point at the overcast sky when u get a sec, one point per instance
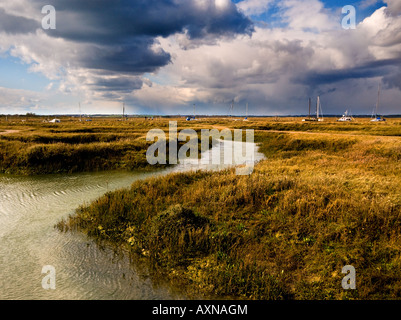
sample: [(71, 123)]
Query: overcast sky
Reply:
[(164, 56)]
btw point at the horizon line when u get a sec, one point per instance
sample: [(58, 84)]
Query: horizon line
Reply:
[(179, 115)]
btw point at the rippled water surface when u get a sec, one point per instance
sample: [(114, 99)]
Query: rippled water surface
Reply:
[(29, 209)]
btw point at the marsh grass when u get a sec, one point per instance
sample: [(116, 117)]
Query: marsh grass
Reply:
[(317, 203), (327, 195), (39, 148), (73, 146)]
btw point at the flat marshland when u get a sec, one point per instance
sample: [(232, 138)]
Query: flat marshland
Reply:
[(71, 146), (327, 195)]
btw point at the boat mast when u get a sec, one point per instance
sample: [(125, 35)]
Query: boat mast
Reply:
[(378, 98)]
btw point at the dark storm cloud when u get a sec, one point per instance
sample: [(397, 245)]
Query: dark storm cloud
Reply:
[(368, 70), (107, 21), (123, 32), (118, 84), (120, 36), (13, 24), (393, 80), (134, 58)]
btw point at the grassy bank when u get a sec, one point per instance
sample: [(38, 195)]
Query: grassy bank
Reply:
[(37, 148), (34, 147), (319, 202)]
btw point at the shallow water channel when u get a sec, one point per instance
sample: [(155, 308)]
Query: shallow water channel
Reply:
[(29, 209)]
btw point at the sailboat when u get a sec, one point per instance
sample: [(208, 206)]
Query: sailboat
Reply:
[(377, 117), (318, 110), (346, 117), (309, 117), (231, 108), (246, 117), (192, 118)]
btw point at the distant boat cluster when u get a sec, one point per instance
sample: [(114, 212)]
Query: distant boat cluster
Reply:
[(346, 117), (317, 117)]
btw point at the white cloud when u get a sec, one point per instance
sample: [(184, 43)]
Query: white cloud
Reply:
[(254, 7), (222, 4), (382, 34), (16, 100), (307, 14)]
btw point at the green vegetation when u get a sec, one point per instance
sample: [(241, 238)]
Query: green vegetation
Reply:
[(323, 199)]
